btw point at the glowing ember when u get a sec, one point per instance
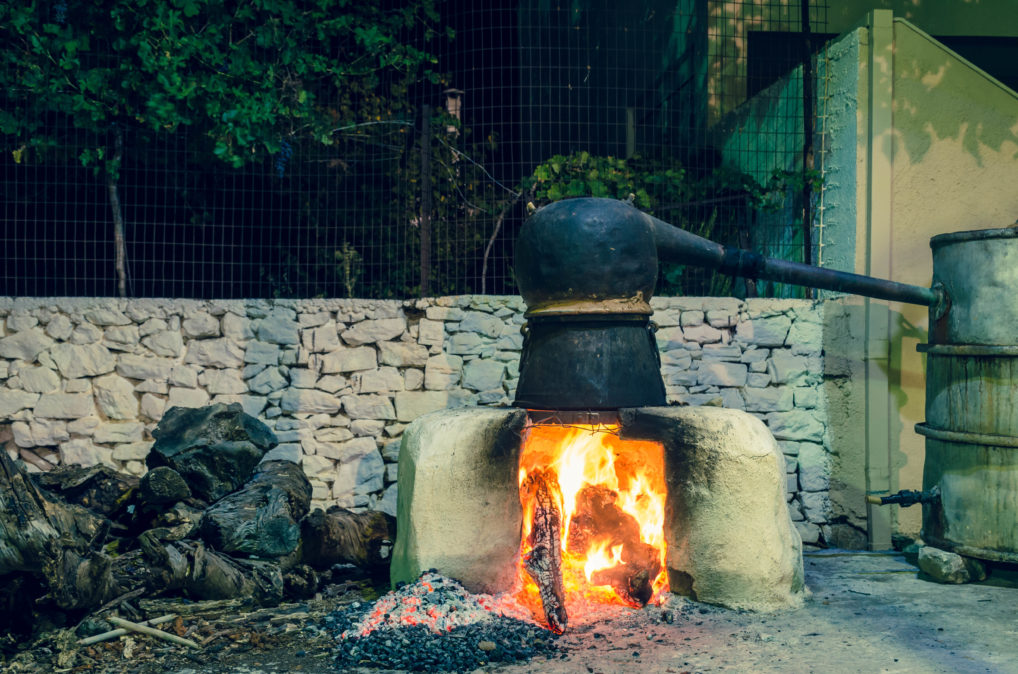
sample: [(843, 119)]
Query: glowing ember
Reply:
[(438, 603), (607, 496)]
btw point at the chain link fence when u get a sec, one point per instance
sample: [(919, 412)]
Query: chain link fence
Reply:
[(421, 189)]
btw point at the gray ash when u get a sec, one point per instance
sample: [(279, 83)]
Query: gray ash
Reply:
[(434, 624)]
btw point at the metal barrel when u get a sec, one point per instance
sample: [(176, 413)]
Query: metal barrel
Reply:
[(971, 425)]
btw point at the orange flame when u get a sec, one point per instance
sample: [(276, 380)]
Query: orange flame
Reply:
[(611, 494)]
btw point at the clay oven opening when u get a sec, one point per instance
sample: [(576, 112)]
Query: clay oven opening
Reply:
[(593, 519)]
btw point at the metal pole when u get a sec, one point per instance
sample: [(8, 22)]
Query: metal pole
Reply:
[(808, 118), (425, 219), (678, 245)]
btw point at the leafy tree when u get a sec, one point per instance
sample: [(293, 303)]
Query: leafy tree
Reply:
[(248, 78)]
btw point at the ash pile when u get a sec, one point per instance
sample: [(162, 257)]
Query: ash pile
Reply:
[(434, 624)]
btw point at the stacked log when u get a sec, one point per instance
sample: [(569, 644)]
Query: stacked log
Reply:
[(228, 527)]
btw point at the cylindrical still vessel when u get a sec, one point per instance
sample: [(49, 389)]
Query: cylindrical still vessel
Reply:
[(971, 426)]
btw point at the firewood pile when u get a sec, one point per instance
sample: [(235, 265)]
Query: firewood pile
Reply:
[(209, 521)]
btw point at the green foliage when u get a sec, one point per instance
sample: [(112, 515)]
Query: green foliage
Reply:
[(245, 75), (646, 182), (349, 263)]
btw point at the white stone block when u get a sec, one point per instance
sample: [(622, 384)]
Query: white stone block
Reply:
[(278, 327), (83, 426), (702, 334), (184, 376), (108, 315), (82, 452), (146, 368), (483, 375), (222, 353), (222, 381), (167, 343), (82, 360), (199, 325), (115, 433), (412, 404), (721, 373), (38, 379), (795, 425), (49, 432), (132, 451), (121, 337), (346, 360), (481, 323), (237, 328), (770, 399), (465, 344), (153, 406), (768, 331), (402, 354), (64, 406), (86, 333), (59, 327), (814, 467), (322, 338), (187, 397), (369, 406), (382, 380), (442, 372), (374, 330), (430, 333), (115, 397), (310, 401)]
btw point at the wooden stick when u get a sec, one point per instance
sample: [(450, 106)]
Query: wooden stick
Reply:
[(152, 632), (113, 634)]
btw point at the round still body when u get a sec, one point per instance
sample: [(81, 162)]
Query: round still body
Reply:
[(971, 423)]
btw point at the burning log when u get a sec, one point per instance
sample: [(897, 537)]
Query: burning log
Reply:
[(599, 522), (544, 561)]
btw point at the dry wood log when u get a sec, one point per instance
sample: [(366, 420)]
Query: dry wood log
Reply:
[(260, 519), (196, 571), (209, 609), (98, 488), (58, 541), (340, 536), (544, 561)]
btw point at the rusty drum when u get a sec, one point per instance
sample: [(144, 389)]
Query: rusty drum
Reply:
[(971, 426)]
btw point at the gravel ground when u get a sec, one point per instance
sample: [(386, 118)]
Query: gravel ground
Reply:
[(868, 613)]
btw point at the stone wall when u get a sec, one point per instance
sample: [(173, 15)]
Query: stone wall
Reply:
[(84, 381)]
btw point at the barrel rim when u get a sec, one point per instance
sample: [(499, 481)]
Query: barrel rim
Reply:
[(966, 437), (969, 350), (1010, 232)]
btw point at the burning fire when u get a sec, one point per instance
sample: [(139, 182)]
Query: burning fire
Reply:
[(593, 520)]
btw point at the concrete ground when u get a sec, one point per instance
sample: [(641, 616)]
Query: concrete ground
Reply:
[(869, 613)]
